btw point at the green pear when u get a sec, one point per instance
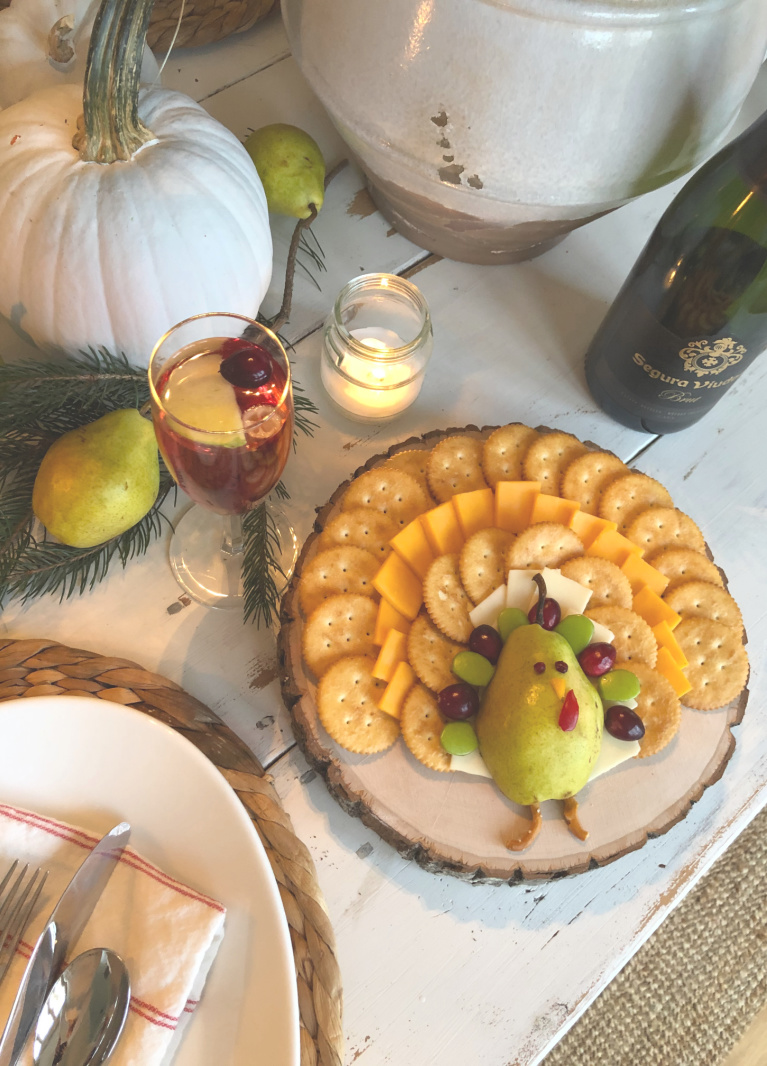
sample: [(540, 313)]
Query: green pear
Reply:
[(97, 481), (529, 755), (290, 165)]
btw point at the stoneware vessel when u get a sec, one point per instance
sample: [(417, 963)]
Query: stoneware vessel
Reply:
[(488, 129)]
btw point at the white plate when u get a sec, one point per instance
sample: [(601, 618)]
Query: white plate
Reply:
[(94, 763)]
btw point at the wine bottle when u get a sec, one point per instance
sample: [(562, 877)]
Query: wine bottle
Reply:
[(692, 314)]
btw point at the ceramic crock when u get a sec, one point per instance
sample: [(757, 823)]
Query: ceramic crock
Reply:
[(488, 129)]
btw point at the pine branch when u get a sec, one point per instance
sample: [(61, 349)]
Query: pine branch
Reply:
[(42, 567), (262, 548), (39, 402)]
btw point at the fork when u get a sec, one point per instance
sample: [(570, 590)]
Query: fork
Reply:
[(18, 896)]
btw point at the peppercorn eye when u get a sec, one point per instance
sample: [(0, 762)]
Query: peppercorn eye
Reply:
[(539, 667), (560, 666)]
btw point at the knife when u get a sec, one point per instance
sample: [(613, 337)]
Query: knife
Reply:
[(62, 931)]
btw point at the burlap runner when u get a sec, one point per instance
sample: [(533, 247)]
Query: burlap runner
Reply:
[(690, 992)]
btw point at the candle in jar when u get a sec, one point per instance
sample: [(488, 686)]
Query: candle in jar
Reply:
[(371, 387)]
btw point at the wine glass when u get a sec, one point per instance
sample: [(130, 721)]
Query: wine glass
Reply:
[(222, 408)]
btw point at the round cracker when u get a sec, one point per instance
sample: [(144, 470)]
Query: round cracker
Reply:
[(504, 451), (633, 638), (482, 562), (548, 457), (717, 662), (447, 604), (431, 654), (587, 475), (455, 465), (625, 497), (343, 568), (543, 544), (660, 528), (361, 527), (684, 564), (422, 725), (342, 625), (347, 700), (413, 461), (390, 491), (701, 599), (608, 584), (657, 705)]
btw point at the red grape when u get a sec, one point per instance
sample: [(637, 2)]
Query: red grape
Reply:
[(458, 701), (486, 641), (568, 716), (597, 659), (623, 723), (551, 613), (244, 364)]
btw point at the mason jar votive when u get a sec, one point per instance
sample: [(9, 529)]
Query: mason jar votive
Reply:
[(377, 341)]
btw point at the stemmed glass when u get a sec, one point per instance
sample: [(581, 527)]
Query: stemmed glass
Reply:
[(222, 407)]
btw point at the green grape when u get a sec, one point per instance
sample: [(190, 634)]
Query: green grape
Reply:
[(618, 685), (509, 619), (472, 667), (577, 630), (459, 738)]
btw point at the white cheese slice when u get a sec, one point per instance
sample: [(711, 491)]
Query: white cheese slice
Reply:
[(601, 635), (486, 612), (613, 753), (472, 764), (521, 590), (572, 597), (631, 704)]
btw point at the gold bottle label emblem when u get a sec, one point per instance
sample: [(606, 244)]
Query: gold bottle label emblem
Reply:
[(702, 358)]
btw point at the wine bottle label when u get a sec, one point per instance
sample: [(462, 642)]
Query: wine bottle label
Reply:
[(662, 369)]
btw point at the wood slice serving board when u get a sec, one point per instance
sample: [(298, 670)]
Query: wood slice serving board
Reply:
[(453, 823)]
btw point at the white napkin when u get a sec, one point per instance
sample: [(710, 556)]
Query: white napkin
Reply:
[(166, 933)]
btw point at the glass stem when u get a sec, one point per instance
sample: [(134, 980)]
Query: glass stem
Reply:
[(233, 542)]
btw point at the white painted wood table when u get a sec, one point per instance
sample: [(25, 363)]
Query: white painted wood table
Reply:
[(436, 970)]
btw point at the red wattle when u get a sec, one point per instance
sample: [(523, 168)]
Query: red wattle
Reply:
[(568, 716)]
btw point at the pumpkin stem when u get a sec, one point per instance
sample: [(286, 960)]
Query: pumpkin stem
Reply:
[(112, 128), (60, 47)]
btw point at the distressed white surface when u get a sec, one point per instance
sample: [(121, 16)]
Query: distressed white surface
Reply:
[(498, 973)]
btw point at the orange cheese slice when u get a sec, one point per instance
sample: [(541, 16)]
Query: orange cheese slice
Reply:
[(653, 609), (672, 672), (641, 573), (587, 527), (613, 546), (413, 548), (475, 510), (388, 618), (397, 583), (554, 509), (442, 529), (514, 502), (399, 686), (667, 640), (392, 653)]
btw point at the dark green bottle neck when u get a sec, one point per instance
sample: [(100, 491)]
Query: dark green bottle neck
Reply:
[(750, 153)]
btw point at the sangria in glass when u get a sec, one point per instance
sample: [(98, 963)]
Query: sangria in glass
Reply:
[(222, 408)]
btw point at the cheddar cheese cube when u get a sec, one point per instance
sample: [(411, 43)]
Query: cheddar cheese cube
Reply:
[(412, 546), (514, 502), (395, 692), (653, 609), (442, 529), (397, 583), (475, 510), (392, 653)]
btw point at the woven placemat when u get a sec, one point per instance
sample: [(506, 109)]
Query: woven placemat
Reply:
[(45, 668), (690, 992)]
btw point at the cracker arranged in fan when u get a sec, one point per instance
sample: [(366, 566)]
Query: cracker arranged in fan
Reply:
[(386, 637)]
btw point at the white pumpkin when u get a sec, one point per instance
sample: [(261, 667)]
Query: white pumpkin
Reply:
[(114, 254), (45, 43)]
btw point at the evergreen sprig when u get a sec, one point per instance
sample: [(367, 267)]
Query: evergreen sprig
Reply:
[(40, 400)]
